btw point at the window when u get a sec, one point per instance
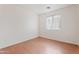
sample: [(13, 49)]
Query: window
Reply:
[(53, 22)]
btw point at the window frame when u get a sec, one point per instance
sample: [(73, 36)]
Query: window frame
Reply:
[(53, 25)]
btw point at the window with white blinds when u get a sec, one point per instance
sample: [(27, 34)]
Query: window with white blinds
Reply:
[(53, 22)]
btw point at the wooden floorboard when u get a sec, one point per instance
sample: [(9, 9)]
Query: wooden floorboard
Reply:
[(41, 46)]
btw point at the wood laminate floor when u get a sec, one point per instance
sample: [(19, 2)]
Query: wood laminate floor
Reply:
[(41, 46)]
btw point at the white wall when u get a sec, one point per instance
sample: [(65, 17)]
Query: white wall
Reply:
[(77, 24), (69, 25), (17, 23)]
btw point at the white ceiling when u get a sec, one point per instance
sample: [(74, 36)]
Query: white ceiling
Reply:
[(41, 8)]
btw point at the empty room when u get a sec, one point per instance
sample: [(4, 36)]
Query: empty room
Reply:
[(39, 28)]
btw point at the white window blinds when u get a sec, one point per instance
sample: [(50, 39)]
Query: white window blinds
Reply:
[(53, 22)]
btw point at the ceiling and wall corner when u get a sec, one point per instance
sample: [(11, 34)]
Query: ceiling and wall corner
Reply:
[(69, 25)]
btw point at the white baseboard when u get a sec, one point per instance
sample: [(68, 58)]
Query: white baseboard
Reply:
[(19, 41), (76, 43), (35, 36)]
